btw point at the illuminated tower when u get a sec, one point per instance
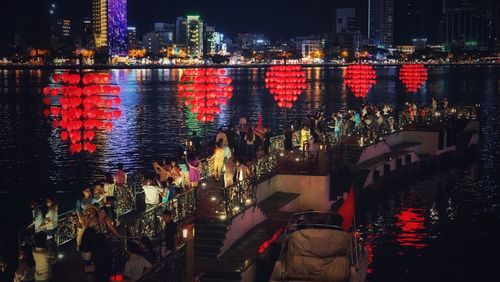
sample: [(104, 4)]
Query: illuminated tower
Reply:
[(110, 26), (194, 36), (381, 22)]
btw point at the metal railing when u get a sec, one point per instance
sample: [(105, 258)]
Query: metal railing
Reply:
[(67, 222), (149, 223)]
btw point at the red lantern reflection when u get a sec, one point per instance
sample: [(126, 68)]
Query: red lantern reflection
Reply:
[(285, 83), (205, 90), (82, 104), (411, 222), (360, 79), (413, 76)]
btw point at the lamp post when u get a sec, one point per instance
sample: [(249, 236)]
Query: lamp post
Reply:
[(188, 236)]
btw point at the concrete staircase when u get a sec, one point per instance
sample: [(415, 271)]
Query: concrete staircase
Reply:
[(209, 238), (352, 154)]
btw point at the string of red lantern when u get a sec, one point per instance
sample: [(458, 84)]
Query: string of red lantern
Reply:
[(360, 79), (80, 105), (205, 90), (413, 76), (285, 83)]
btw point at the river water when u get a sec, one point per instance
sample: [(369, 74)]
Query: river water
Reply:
[(441, 227)]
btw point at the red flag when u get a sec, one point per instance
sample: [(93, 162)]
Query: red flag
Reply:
[(347, 210)]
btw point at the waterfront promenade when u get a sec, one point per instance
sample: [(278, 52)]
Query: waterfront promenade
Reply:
[(213, 204)]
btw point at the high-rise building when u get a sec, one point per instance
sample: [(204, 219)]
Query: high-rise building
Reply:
[(181, 30), (86, 34), (496, 25), (213, 41), (346, 21), (165, 31), (63, 28), (347, 30), (194, 36), (381, 22), (151, 43), (110, 26), (468, 25), (132, 37)]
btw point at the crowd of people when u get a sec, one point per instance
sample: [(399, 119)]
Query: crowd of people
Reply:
[(233, 151)]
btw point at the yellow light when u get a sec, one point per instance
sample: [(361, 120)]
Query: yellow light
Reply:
[(184, 233)]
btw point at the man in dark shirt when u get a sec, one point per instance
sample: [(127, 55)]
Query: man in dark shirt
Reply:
[(170, 233)]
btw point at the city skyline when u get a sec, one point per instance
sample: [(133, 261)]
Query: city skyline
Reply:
[(278, 19)]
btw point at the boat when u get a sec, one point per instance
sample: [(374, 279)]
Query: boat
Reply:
[(316, 248)]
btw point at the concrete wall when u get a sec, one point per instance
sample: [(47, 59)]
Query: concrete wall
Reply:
[(314, 191), (374, 151), (240, 225), (393, 167)]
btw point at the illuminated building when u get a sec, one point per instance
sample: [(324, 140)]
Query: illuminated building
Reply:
[(132, 37), (181, 31), (165, 32), (381, 22), (213, 41), (347, 30), (468, 26), (151, 43), (86, 34), (194, 26), (312, 49), (110, 26), (250, 41)]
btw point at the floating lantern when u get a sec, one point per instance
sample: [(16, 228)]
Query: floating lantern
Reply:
[(84, 105), (285, 83), (360, 79), (413, 76), (205, 90)]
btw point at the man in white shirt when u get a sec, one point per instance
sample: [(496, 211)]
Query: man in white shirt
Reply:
[(152, 194), (136, 265)]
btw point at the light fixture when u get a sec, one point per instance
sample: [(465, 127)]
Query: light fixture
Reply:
[(248, 201), (184, 233), (213, 199), (223, 217)]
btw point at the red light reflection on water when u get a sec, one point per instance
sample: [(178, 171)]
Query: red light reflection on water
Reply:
[(411, 222)]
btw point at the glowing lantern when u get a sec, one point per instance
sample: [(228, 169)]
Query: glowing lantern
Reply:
[(205, 90), (360, 79), (285, 83), (413, 76), (81, 107)]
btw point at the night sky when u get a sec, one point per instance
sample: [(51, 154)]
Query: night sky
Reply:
[(275, 18)]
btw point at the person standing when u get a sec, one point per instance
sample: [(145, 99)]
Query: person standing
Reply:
[(267, 140), (229, 168), (136, 265), (218, 157), (26, 269), (170, 236), (50, 226), (37, 213), (42, 258), (304, 137), (106, 225), (194, 172), (86, 200), (151, 193), (250, 143), (221, 135), (288, 132), (120, 176), (102, 256)]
